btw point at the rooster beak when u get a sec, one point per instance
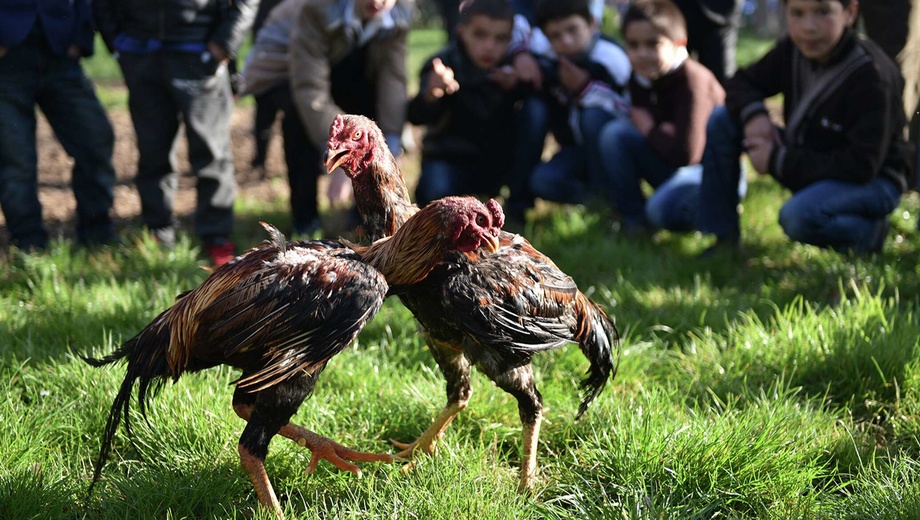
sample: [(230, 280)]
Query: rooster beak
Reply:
[(491, 243), (334, 158)]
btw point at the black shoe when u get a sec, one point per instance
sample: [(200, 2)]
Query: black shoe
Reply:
[(880, 236), (730, 246)]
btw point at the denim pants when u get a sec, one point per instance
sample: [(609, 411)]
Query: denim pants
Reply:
[(532, 123), (628, 159), (33, 75), (164, 89), (574, 174), (841, 215), (442, 178)]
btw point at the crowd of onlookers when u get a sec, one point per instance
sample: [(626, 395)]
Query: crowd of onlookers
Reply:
[(651, 127)]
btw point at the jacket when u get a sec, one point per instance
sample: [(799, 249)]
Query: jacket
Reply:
[(844, 119), (322, 37), (269, 61), (64, 22), (684, 97), (474, 125), (224, 22)]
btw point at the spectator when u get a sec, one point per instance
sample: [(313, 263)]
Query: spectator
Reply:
[(173, 55), (265, 112), (41, 43), (584, 84), (349, 57), (266, 75), (663, 139), (712, 33), (842, 152), (466, 99)]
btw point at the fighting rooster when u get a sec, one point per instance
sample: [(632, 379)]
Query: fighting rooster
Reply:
[(493, 311), (279, 312)]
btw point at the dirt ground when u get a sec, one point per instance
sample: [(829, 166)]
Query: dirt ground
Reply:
[(54, 173)]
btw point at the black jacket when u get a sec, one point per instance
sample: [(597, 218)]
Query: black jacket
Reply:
[(222, 21), (473, 125), (849, 125)]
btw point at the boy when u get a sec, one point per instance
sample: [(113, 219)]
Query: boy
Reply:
[(466, 99), (349, 56), (842, 153), (672, 97), (173, 55), (584, 82), (41, 44)]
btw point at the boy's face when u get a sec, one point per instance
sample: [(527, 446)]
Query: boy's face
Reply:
[(569, 36), (816, 26), (368, 9), (485, 39), (650, 53)]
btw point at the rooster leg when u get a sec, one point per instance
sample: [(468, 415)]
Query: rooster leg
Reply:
[(456, 370), (519, 382), (255, 467)]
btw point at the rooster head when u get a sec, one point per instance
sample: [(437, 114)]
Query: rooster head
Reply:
[(353, 143), (470, 223)]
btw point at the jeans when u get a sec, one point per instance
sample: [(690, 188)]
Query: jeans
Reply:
[(719, 196), (165, 88), (844, 216), (442, 178), (33, 75), (532, 127), (575, 172), (628, 159)]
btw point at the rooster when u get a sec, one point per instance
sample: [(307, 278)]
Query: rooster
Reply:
[(493, 311), (279, 312)]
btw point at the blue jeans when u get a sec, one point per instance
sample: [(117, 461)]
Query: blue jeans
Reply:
[(844, 216), (575, 172), (532, 122), (628, 159), (442, 178), (33, 75)]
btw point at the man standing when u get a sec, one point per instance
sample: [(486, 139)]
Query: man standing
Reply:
[(41, 43), (173, 55)]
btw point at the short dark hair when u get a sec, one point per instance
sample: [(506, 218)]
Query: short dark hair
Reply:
[(546, 11), (494, 9), (664, 16), (845, 3)]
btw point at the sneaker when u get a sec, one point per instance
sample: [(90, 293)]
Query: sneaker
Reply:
[(220, 252)]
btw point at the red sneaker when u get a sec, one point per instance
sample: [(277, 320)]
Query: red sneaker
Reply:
[(220, 254)]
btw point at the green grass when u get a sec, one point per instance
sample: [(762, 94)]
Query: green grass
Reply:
[(783, 386)]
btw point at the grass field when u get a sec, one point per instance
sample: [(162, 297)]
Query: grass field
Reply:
[(786, 385)]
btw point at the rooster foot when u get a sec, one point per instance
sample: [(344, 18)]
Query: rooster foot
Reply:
[(427, 444), (325, 448)]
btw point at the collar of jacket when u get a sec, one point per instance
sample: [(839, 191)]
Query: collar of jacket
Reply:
[(342, 13)]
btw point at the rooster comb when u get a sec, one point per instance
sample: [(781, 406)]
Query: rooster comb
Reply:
[(498, 216)]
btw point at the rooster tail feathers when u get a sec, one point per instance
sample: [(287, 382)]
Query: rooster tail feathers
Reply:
[(147, 364), (597, 341)]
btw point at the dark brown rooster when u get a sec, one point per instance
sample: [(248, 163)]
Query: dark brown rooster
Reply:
[(493, 311), (279, 312)]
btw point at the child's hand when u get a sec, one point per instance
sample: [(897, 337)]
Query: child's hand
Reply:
[(528, 70), (505, 77), (760, 127), (642, 119), (759, 150), (572, 77), (441, 81)]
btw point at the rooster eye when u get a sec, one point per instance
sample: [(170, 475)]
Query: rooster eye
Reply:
[(481, 220), (357, 135)]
